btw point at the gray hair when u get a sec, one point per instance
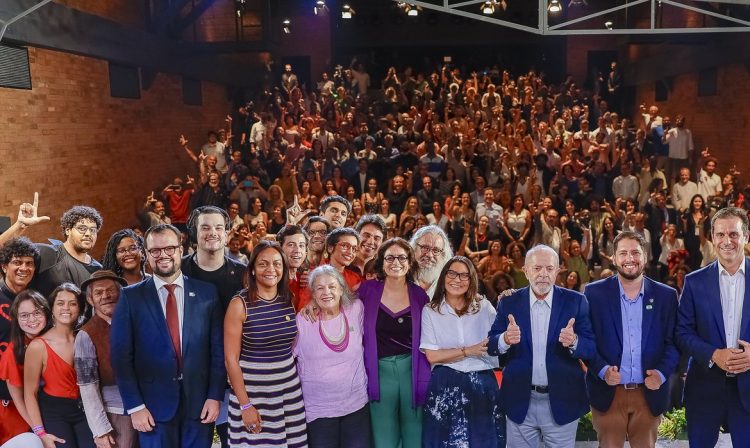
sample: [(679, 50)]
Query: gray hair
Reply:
[(542, 248), (346, 294), (435, 230)]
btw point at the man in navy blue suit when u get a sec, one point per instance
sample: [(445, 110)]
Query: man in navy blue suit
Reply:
[(540, 333), (633, 318), (712, 327), (167, 350)]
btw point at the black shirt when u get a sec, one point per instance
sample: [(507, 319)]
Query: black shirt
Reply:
[(227, 279), (56, 266), (6, 299)]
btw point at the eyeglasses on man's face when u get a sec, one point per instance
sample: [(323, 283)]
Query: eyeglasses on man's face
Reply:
[(168, 251)]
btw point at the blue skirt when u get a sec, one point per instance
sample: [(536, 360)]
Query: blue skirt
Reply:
[(463, 410)]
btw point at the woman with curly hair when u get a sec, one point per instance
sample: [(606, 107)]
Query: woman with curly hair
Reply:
[(125, 256)]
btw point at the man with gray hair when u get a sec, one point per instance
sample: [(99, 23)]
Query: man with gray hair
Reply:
[(543, 385), (100, 395), (432, 250)]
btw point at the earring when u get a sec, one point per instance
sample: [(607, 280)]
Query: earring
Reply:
[(253, 273)]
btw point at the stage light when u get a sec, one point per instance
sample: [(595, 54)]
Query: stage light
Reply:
[(488, 8), (286, 26), (347, 11), (320, 8), (554, 6), (608, 24)]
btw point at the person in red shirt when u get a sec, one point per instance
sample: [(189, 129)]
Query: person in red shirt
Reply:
[(294, 240), (342, 246), (178, 197)]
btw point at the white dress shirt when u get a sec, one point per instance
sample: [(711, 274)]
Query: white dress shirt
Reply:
[(732, 289), (446, 330)]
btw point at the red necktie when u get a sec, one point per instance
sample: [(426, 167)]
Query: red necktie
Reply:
[(173, 323)]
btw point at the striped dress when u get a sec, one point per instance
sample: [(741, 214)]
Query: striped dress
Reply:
[(270, 378)]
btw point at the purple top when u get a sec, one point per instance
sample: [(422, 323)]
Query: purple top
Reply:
[(393, 332), (371, 292)]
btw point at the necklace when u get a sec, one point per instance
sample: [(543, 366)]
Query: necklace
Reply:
[(341, 341)]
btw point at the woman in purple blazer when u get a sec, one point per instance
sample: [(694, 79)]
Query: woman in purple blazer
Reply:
[(397, 371)]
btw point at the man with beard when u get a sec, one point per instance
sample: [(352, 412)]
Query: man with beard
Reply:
[(209, 227), (712, 328), (293, 241), (627, 380), (335, 209), (543, 386), (18, 266), (317, 229), (69, 261), (171, 390), (372, 232), (432, 250), (101, 399)]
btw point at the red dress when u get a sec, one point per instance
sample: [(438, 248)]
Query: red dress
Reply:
[(11, 422)]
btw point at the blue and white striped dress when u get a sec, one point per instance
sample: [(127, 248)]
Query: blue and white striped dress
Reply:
[(270, 376)]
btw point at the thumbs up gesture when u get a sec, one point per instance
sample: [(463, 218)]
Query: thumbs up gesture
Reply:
[(513, 332), (652, 380), (568, 337), (612, 376)]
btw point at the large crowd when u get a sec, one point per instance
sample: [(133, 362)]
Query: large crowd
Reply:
[(352, 265)]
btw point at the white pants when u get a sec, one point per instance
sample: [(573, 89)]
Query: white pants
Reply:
[(540, 428)]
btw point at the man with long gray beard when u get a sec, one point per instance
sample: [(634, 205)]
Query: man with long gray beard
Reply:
[(432, 250)]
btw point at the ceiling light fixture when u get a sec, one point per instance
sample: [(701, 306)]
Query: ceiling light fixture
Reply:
[(320, 8), (554, 6), (608, 24), (488, 8), (410, 9), (347, 11), (286, 26)]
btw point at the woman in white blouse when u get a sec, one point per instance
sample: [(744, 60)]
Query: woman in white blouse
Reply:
[(463, 405)]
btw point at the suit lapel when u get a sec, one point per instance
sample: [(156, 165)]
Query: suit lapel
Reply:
[(153, 303), (523, 319), (189, 314), (714, 299), (558, 304), (615, 311), (648, 311), (745, 304)]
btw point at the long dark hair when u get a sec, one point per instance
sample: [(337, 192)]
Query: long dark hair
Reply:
[(109, 262), (471, 297), (250, 279), (17, 336), (76, 291)]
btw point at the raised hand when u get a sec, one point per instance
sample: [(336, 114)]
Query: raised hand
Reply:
[(568, 336), (27, 213), (183, 141), (612, 376), (513, 332)]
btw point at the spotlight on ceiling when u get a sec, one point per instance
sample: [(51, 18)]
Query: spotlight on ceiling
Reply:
[(320, 8), (554, 6), (488, 8), (413, 11), (286, 26), (608, 24), (410, 9), (347, 11)]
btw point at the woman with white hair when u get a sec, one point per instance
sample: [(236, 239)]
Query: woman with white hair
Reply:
[(330, 362)]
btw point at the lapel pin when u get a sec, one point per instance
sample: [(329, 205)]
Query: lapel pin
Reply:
[(648, 307), (231, 272), (191, 294), (651, 300)]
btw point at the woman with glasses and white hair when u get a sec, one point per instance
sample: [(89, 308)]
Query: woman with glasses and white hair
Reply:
[(463, 406), (397, 371), (331, 366)]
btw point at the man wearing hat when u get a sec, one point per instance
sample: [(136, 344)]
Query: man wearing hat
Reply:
[(102, 403)]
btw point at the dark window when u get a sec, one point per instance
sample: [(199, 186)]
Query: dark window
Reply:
[(662, 89), (192, 93), (707, 82), (124, 81), (14, 68)]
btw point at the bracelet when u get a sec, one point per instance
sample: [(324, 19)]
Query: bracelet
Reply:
[(246, 406), (38, 429), (463, 350)]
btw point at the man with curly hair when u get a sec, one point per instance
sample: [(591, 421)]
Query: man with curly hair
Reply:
[(69, 261)]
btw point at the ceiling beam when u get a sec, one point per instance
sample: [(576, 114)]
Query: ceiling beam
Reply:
[(192, 16)]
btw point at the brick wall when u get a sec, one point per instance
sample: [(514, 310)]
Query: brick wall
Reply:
[(72, 142), (718, 121), (127, 12)]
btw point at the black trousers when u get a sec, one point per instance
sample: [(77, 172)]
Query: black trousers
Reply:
[(64, 418), (349, 431)]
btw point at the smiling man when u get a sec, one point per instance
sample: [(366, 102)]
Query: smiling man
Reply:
[(432, 250), (317, 229), (335, 209), (372, 232), (99, 393), (294, 241), (69, 261), (633, 318)]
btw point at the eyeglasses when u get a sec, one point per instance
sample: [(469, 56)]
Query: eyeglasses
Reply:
[(391, 258), (128, 250), (434, 250), (463, 276), (83, 230), (168, 251), (346, 247), (36, 314)]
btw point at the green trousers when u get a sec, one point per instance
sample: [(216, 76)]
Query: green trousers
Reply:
[(395, 423)]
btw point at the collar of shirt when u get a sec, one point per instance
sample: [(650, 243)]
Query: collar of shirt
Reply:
[(546, 300), (723, 271), (159, 282), (624, 296)]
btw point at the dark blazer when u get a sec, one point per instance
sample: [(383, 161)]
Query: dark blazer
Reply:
[(658, 349), (354, 182), (700, 331), (144, 359), (567, 387)]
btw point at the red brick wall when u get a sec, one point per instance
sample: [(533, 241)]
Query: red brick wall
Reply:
[(127, 12), (718, 121), (72, 142)]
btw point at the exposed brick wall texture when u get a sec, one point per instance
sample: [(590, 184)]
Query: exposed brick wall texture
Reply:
[(717, 121), (127, 12), (72, 142)]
